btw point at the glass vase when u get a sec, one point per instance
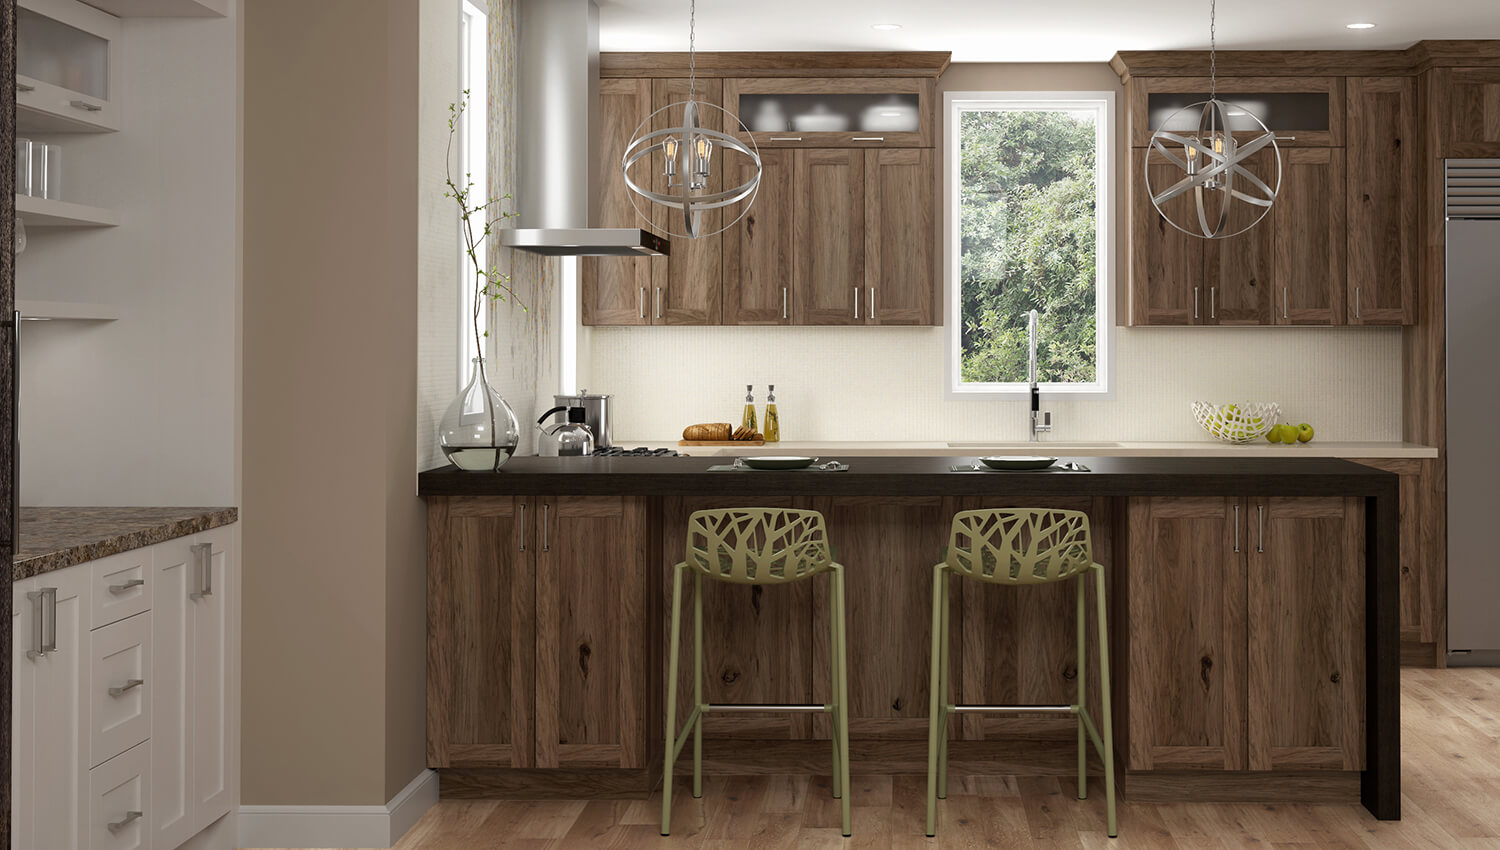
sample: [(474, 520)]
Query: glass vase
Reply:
[(479, 432)]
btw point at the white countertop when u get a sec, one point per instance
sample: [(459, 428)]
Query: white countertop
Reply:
[(1061, 448)]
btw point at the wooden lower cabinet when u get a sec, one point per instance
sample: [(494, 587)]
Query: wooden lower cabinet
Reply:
[(1235, 605)]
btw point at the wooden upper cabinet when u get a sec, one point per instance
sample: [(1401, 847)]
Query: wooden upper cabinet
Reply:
[(1186, 593), (1382, 201), (688, 284), (1237, 270), (1166, 265), (900, 241), (1304, 111), (759, 258), (1309, 222), (1468, 111), (833, 112), (615, 289), (481, 626), (830, 233), (1306, 636), (591, 640)]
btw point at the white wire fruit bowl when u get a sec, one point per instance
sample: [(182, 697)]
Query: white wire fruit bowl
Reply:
[(1237, 423)]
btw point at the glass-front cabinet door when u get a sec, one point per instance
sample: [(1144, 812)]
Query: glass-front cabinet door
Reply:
[(65, 67), (832, 113), (1302, 111)]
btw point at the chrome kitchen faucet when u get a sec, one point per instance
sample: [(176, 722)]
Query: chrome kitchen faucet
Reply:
[(1045, 423)]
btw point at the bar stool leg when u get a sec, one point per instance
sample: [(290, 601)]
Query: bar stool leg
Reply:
[(1083, 690), (943, 696), (933, 706), (671, 738), (842, 728), (835, 658), (1105, 721), (698, 684)]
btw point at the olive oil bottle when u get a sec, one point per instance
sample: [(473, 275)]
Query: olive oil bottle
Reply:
[(749, 419), (773, 422)]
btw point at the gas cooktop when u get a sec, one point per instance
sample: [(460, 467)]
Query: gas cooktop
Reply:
[(640, 451)]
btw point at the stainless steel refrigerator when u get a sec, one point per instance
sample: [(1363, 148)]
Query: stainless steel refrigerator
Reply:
[(1472, 194)]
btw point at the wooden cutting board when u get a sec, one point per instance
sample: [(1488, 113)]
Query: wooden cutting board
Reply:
[(721, 442)]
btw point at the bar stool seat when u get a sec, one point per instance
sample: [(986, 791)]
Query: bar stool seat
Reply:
[(757, 546), (1020, 546)]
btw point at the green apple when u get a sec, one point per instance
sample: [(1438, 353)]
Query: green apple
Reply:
[(1274, 435), (1304, 433)]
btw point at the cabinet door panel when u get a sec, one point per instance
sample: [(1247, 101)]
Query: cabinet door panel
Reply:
[(1471, 124), (830, 236), (60, 773), (591, 632), (1187, 648), (209, 681), (1306, 604), (615, 289), (1238, 270), (688, 284), (22, 718), (1382, 200), (1166, 265), (899, 238), (1310, 243), (119, 654), (480, 621), (174, 580), (759, 250)]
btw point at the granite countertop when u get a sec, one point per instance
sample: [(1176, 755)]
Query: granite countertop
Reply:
[(1188, 448), (53, 538)]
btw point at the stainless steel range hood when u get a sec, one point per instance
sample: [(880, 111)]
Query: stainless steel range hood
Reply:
[(557, 137)]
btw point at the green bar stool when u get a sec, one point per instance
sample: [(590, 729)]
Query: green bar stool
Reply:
[(761, 546), (1019, 546)]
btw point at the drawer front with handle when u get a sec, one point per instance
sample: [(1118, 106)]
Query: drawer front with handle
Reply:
[(120, 586), (119, 692), (119, 800)]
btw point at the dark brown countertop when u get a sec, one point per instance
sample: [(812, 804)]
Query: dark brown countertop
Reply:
[(53, 538), (916, 476)]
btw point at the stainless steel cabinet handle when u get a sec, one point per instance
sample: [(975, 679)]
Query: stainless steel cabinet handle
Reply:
[(85, 105), (130, 817), (46, 640), (1260, 545), (1213, 302), (15, 438), (1236, 528), (786, 138), (25, 87), (872, 303), (640, 302), (1356, 302), (121, 588), (203, 556), (869, 138), (38, 613), (521, 526), (783, 302), (1284, 303), (658, 302), (1286, 138), (1195, 302), (856, 302), (546, 514), (130, 684)]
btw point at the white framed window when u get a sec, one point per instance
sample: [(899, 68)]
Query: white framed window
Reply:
[(1029, 189), (472, 163)]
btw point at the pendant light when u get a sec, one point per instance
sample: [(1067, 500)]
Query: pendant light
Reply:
[(683, 155), (1213, 162)]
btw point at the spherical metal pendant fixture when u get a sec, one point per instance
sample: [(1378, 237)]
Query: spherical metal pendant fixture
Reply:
[(685, 164), (1213, 163)]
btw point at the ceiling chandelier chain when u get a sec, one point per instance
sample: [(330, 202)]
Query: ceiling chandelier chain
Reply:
[(692, 49), (1213, 49)]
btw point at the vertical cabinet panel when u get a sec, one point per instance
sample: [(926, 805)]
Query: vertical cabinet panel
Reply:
[(1306, 596), (1309, 224), (899, 237), (830, 234), (591, 632), (1187, 650), (1166, 265), (615, 289), (480, 620), (1237, 271), (688, 284), (22, 718), (759, 258), (174, 578), (60, 736), (209, 684), (1382, 200)]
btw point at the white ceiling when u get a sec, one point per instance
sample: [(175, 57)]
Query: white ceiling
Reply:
[(1039, 30)]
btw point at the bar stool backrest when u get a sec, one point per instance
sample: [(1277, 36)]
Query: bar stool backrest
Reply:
[(1020, 545), (757, 545)]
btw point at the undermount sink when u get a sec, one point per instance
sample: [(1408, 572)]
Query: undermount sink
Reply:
[(1022, 444)]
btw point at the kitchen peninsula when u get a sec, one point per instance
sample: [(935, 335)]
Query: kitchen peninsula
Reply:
[(1253, 626)]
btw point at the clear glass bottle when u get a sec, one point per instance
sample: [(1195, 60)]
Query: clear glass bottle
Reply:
[(479, 432), (773, 422), (749, 420)]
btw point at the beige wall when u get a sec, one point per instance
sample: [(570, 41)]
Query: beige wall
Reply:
[(333, 534)]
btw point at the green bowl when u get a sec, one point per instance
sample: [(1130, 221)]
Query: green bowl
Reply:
[(1018, 463), (777, 462)]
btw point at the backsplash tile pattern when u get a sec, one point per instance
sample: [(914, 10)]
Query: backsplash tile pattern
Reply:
[(887, 383)]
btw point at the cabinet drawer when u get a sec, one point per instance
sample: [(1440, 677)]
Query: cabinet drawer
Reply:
[(118, 793), (119, 691), (120, 586)]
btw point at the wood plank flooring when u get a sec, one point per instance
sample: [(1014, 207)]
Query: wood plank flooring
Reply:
[(1451, 799)]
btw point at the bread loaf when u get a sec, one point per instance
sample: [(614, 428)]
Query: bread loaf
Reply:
[(708, 431)]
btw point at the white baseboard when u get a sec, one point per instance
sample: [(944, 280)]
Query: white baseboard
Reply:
[(339, 826)]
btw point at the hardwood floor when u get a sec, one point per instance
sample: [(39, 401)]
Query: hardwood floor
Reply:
[(1451, 799)]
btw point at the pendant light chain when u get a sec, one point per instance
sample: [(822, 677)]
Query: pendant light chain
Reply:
[(692, 49), (1213, 49)]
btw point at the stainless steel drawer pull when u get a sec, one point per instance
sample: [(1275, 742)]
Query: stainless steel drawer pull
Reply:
[(25, 87), (640, 302), (203, 556), (783, 302), (872, 302), (44, 609), (1356, 302), (658, 302), (130, 685), (1213, 302), (521, 526), (1286, 138), (85, 106), (785, 139), (546, 515), (1236, 528), (1260, 545), (130, 817), (1283, 302), (856, 302), (1195, 302), (868, 138), (121, 588)]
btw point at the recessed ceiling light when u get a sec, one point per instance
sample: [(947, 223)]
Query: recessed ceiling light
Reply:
[(1360, 26), (884, 27)]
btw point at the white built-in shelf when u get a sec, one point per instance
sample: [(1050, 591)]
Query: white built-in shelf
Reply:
[(41, 212), (162, 8), (67, 311)]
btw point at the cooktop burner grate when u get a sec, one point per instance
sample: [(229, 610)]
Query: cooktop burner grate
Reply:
[(639, 451)]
